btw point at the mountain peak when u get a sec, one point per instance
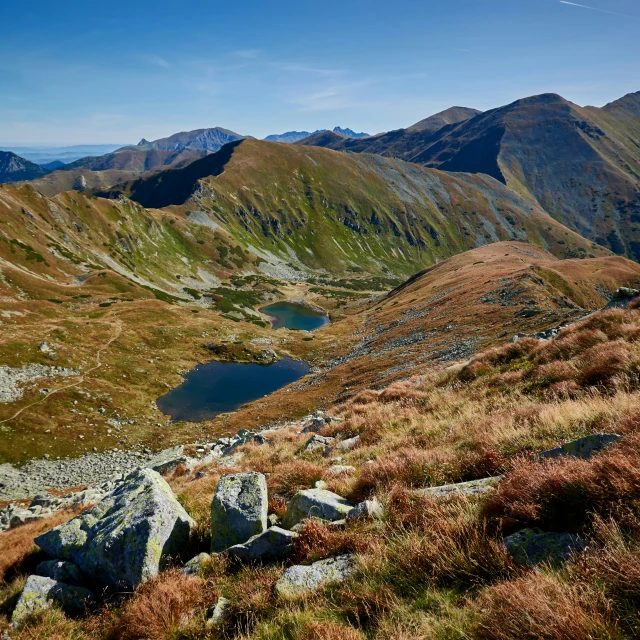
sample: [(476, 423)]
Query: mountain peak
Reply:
[(350, 133), (453, 115)]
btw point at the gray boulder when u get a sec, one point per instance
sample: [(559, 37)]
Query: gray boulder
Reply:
[(350, 443), (217, 612), (319, 444), (318, 503), (366, 510), (196, 564), (61, 571), (238, 510), (128, 537), (40, 593), (167, 460), (299, 580), (583, 447), (272, 544), (530, 547), (471, 488)]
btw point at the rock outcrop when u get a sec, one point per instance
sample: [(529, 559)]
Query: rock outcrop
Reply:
[(40, 593), (530, 547), (238, 510), (583, 447), (299, 580), (318, 503), (128, 537), (272, 544)]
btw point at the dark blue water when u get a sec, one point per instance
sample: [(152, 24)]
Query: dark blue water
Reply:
[(217, 387), (294, 316)]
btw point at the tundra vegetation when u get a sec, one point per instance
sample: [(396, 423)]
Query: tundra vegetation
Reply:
[(431, 567)]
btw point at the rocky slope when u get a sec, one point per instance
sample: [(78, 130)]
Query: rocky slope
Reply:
[(582, 165), (323, 211), (13, 168)]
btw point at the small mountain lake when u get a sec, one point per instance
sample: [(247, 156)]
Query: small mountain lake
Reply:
[(292, 315), (218, 387)]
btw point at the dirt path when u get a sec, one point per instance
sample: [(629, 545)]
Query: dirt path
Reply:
[(118, 332)]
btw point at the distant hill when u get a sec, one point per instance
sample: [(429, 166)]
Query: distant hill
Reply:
[(44, 156), (131, 162), (349, 133), (442, 119), (582, 165), (13, 168), (293, 136), (210, 140), (290, 136)]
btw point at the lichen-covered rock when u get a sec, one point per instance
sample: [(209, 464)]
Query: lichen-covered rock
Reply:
[(272, 544), (217, 612), (61, 571), (39, 593), (238, 510), (318, 503), (366, 510), (340, 469), (530, 547), (471, 488), (128, 537), (167, 460), (583, 447), (319, 444), (196, 564), (299, 579)]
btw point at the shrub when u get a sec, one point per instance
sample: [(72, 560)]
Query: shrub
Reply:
[(158, 607), (563, 493), (543, 607)]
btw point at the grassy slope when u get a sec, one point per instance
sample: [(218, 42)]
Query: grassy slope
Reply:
[(328, 211), (435, 569)]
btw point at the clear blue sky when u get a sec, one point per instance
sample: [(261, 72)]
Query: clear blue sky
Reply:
[(96, 72)]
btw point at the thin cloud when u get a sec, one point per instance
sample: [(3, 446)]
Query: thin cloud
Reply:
[(612, 13), (158, 61)]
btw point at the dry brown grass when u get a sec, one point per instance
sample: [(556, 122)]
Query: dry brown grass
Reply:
[(17, 549), (541, 606), (158, 607), (329, 631), (563, 494), (443, 542)]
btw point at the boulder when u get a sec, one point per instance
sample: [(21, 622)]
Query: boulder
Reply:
[(167, 460), (128, 537), (471, 488), (238, 510), (340, 469), (530, 547), (350, 443), (196, 564), (366, 510), (217, 612), (300, 580), (61, 571), (272, 544), (318, 444), (318, 503), (39, 593), (583, 447)]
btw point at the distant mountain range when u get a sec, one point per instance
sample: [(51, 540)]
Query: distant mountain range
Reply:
[(293, 136), (47, 156), (14, 168), (581, 164)]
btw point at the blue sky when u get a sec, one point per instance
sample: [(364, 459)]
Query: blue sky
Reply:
[(92, 72)]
